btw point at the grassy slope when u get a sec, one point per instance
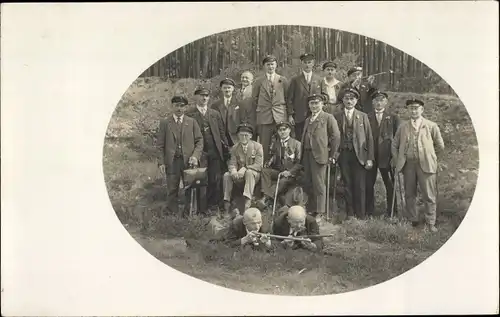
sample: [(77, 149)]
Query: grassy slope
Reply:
[(362, 253)]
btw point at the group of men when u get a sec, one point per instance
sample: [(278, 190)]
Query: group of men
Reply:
[(280, 133)]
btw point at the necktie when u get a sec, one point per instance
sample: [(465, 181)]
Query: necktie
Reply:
[(178, 121), (379, 117)]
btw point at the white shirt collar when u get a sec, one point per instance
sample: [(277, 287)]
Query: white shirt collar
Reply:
[(270, 76), (307, 75), (379, 112), (349, 111), (285, 140), (416, 122), (315, 116), (202, 109), (176, 118), (333, 83)]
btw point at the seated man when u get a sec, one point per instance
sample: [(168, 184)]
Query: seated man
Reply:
[(285, 153), (244, 230), (245, 166), (295, 222)]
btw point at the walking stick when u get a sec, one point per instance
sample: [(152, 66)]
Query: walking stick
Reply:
[(275, 197), (335, 175), (403, 201), (328, 191), (393, 191)]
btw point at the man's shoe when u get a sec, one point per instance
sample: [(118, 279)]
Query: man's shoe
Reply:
[(432, 228)]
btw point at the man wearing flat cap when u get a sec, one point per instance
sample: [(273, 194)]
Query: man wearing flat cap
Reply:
[(215, 148), (249, 230), (269, 93), (244, 167), (356, 153), (330, 85), (365, 90), (384, 125), (285, 154), (301, 86), (181, 144), (320, 142), (415, 148)]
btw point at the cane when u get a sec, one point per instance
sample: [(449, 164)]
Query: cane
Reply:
[(393, 176), (275, 197), (328, 167), (335, 175), (403, 201)]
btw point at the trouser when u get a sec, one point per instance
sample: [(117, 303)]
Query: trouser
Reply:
[(315, 181), (266, 132), (371, 178), (250, 179), (211, 196), (173, 177), (269, 177), (354, 176), (413, 175), (299, 129)]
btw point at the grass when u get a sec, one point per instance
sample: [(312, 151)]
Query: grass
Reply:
[(362, 253)]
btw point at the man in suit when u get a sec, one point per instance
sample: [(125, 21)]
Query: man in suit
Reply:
[(244, 166), (330, 86), (243, 231), (246, 101), (384, 125), (365, 90), (301, 86), (215, 147), (268, 94), (228, 107), (181, 144), (356, 153), (285, 154), (320, 142), (294, 222), (414, 149)]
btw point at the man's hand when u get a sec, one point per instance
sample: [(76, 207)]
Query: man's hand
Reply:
[(331, 160), (287, 243), (234, 174), (193, 161), (264, 239), (369, 164), (251, 237), (371, 79), (241, 172), (290, 119), (308, 244), (286, 174)]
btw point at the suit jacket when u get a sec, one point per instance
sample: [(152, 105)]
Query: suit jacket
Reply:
[(325, 138), (291, 155), (338, 86), (252, 160), (383, 136), (362, 135), (232, 116), (237, 230), (429, 139), (168, 139), (298, 91), (365, 91), (281, 227), (248, 106), (216, 127), (270, 100)]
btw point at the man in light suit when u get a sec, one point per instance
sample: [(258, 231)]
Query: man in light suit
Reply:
[(302, 86), (181, 143), (228, 106), (320, 142), (356, 153), (330, 86), (244, 166), (268, 94), (414, 150), (215, 147), (384, 125)]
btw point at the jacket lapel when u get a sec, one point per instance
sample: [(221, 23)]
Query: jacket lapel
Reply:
[(173, 127), (184, 126), (266, 84), (302, 79)]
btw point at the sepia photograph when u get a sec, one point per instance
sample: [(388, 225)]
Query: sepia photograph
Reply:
[(290, 160)]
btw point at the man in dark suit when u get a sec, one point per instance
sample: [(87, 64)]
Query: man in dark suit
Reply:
[(320, 142), (181, 144), (247, 105), (285, 154), (215, 147), (294, 222), (384, 126), (356, 153), (243, 231), (231, 113), (268, 94), (301, 86), (365, 90)]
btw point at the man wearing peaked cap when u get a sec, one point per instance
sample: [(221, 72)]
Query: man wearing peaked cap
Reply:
[(415, 150), (330, 85), (301, 86), (269, 59), (244, 167), (384, 125), (365, 90), (319, 143), (180, 142), (285, 154), (215, 148), (269, 101), (356, 152)]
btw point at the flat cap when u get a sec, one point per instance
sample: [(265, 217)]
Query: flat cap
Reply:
[(227, 81), (414, 101), (283, 123), (379, 93), (268, 59), (179, 99), (202, 91), (329, 64), (351, 91), (354, 69), (315, 97), (307, 57), (244, 127)]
